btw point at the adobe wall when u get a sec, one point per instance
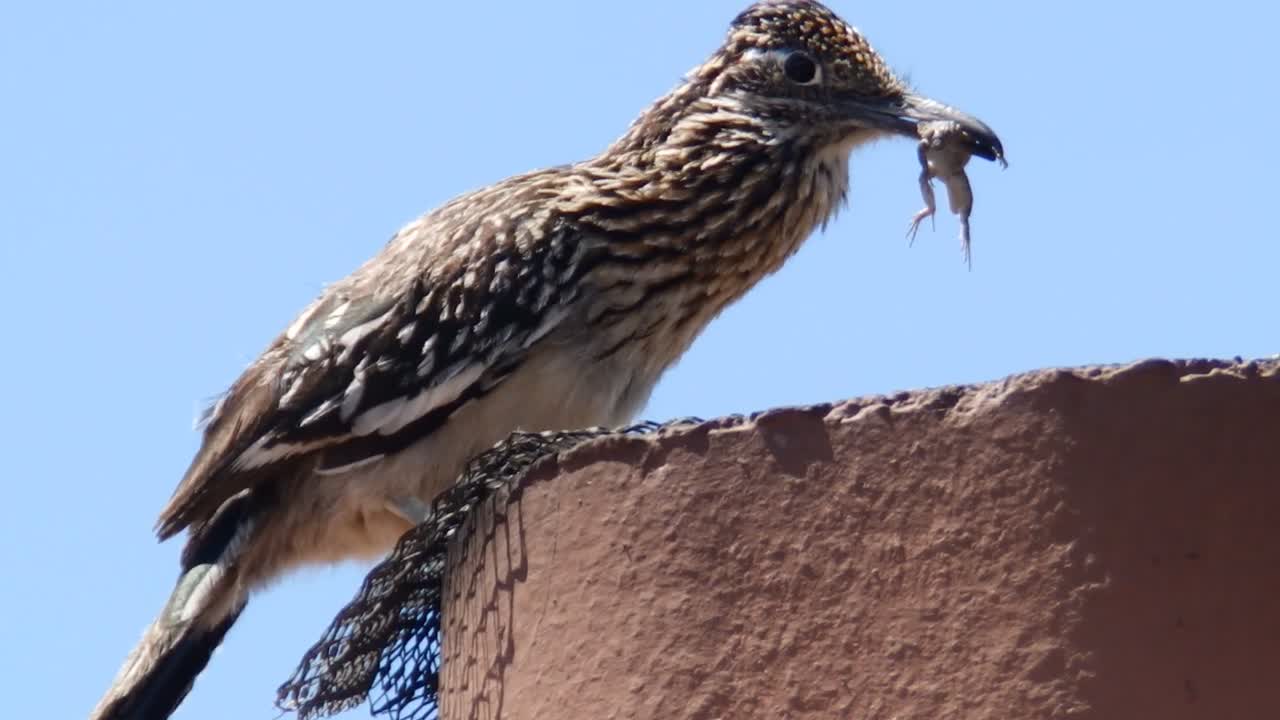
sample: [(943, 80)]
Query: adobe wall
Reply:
[(1098, 543)]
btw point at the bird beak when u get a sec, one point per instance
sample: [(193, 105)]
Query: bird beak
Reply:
[(903, 115)]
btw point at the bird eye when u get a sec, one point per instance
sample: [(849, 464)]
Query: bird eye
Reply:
[(800, 69)]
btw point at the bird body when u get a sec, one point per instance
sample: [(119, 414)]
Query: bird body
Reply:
[(551, 300)]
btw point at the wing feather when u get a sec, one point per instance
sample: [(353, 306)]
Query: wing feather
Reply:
[(375, 363)]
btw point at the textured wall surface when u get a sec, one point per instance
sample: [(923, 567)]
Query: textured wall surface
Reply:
[(1096, 543)]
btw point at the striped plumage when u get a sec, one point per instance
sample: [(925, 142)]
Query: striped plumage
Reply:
[(550, 300)]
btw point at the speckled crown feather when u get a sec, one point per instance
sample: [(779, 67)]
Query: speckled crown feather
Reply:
[(780, 24)]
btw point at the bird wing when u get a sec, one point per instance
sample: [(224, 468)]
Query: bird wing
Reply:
[(379, 361)]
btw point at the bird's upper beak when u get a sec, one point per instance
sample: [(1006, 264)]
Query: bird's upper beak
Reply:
[(902, 115)]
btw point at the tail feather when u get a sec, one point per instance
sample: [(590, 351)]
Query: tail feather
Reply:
[(166, 688), (206, 602), (161, 671)]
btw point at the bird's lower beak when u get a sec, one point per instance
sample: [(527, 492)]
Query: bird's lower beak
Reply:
[(904, 115)]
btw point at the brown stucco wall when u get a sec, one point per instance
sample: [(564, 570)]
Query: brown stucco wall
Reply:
[(1098, 543)]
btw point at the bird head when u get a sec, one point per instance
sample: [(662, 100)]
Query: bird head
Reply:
[(799, 65)]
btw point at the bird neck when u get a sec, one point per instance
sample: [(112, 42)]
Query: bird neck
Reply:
[(702, 178), (689, 210)]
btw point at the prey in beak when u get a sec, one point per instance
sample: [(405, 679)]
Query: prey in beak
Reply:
[(944, 149), (947, 139)]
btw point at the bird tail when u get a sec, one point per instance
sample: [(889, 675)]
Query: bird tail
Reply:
[(209, 597)]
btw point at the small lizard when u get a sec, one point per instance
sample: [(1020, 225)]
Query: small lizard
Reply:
[(944, 151)]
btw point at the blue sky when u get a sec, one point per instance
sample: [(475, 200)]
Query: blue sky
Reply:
[(177, 181)]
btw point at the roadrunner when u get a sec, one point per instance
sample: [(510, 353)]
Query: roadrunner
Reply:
[(550, 300)]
